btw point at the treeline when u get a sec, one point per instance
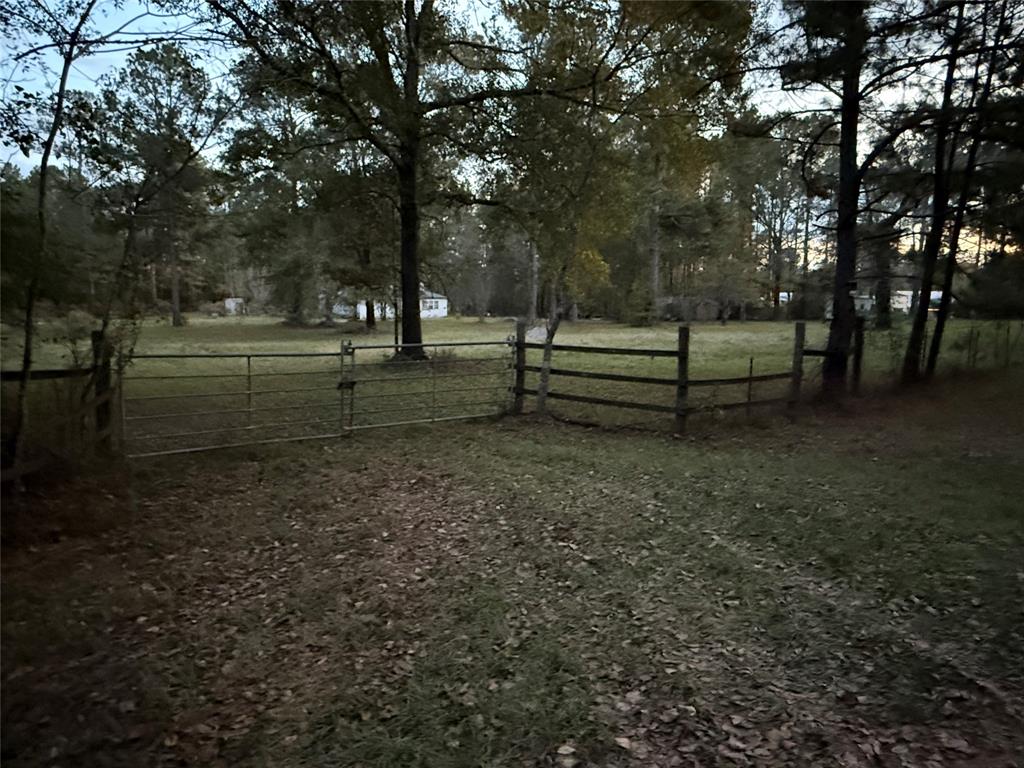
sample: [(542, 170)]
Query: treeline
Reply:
[(638, 161)]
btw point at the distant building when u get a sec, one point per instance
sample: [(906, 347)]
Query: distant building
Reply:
[(381, 310), (431, 305), (235, 306), (900, 301)]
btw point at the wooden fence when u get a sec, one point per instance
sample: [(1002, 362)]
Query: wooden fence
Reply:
[(681, 383), (83, 429)]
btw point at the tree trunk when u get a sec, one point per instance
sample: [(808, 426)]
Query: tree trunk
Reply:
[(407, 167), (883, 290), (409, 213), (654, 243), (940, 205), (833, 371), (70, 51), (806, 266), (554, 320), (176, 319), (531, 312), (396, 319), (364, 262), (776, 296)]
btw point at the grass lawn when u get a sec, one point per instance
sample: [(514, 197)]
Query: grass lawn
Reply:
[(716, 351), (845, 591)]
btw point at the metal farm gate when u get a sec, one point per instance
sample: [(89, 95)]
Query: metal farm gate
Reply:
[(183, 403)]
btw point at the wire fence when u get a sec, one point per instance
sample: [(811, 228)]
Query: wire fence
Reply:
[(183, 403)]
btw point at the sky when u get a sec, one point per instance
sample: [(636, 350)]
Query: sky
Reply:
[(135, 19), (131, 20)]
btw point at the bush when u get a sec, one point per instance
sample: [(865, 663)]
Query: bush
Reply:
[(80, 323), (162, 308), (997, 289), (213, 309), (639, 310)]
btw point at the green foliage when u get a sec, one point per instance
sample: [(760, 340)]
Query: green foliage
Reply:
[(997, 289), (83, 246), (587, 279)]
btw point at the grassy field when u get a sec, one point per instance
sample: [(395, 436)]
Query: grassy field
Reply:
[(298, 397), (843, 591), (716, 349)]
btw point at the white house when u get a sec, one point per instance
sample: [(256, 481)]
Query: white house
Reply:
[(900, 301), (381, 310), (431, 305), (234, 306)]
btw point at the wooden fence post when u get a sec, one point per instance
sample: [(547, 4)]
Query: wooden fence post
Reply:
[(750, 386), (520, 362), (101, 386), (1007, 344), (800, 331), (682, 377), (858, 353)]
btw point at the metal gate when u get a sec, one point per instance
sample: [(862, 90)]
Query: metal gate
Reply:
[(183, 403)]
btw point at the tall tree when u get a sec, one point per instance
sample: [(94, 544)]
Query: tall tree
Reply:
[(415, 80), (946, 135), (860, 53), (994, 17), (64, 28), (842, 30), (153, 120)]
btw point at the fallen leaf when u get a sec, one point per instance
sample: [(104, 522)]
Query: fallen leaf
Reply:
[(669, 715), (955, 743)]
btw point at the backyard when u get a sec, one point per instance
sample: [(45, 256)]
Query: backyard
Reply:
[(287, 484), (842, 590)]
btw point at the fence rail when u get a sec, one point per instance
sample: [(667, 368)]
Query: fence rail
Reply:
[(174, 403), (603, 401), (751, 378), (602, 376), (45, 374), (681, 406), (85, 426), (602, 350)]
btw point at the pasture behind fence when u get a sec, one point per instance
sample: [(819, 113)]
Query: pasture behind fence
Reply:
[(182, 403), (186, 402), (668, 380), (69, 415)]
